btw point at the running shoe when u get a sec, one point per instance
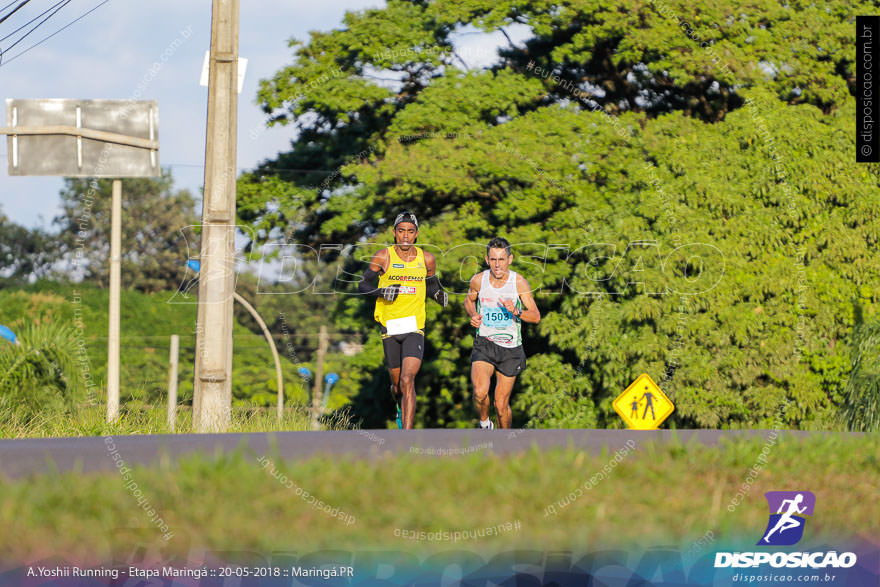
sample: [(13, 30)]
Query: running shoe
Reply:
[(399, 418), (491, 426)]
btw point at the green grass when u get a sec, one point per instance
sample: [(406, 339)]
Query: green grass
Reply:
[(143, 419), (661, 494), (147, 322)]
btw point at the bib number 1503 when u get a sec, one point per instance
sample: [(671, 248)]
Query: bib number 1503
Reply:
[(496, 317)]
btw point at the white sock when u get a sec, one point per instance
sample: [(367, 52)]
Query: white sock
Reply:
[(485, 423)]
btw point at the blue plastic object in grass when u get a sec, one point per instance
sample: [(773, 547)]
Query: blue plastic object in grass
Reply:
[(8, 334)]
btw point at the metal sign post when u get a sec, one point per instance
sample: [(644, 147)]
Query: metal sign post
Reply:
[(173, 353), (115, 286), (88, 138)]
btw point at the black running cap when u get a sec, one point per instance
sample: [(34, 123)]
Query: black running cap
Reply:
[(406, 216)]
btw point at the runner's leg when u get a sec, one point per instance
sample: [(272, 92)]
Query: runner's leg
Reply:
[(395, 384), (393, 350), (481, 377), (503, 387), (408, 371)]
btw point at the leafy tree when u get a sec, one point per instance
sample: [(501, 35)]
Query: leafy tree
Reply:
[(156, 229), (688, 210), (24, 253)]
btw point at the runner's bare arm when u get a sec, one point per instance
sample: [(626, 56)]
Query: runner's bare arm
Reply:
[(470, 300), (379, 262), (530, 312)]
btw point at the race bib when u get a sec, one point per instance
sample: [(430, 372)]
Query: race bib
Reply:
[(401, 325), (496, 317)]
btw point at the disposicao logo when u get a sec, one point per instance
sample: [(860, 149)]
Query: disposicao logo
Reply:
[(786, 528)]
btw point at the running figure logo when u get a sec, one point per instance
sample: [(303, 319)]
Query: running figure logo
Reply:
[(786, 525)]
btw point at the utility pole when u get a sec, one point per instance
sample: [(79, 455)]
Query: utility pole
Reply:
[(317, 391), (212, 397)]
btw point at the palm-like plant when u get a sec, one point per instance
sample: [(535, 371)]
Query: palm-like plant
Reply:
[(40, 375)]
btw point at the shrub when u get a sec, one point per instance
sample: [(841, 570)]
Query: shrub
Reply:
[(861, 401), (40, 374)]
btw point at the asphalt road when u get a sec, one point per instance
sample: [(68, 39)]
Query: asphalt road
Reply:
[(22, 457)]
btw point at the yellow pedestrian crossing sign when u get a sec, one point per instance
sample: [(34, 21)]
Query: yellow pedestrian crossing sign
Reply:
[(643, 406)]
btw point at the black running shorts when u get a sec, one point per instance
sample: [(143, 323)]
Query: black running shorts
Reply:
[(399, 346), (508, 361)]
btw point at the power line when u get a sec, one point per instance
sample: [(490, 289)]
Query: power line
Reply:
[(299, 169), (14, 10), (241, 167), (44, 39), (8, 5), (65, 2), (62, 3), (291, 334)]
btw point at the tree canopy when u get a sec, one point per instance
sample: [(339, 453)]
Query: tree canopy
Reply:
[(157, 230), (678, 180), (24, 252)]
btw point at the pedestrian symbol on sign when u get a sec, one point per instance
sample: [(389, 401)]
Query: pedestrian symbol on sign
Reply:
[(643, 406), (648, 404)]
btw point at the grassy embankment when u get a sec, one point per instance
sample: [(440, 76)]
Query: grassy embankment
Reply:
[(91, 421), (667, 494), (147, 322)]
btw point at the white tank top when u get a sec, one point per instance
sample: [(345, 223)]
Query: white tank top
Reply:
[(499, 325)]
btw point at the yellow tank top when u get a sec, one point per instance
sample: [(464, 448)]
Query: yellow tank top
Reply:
[(411, 277)]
